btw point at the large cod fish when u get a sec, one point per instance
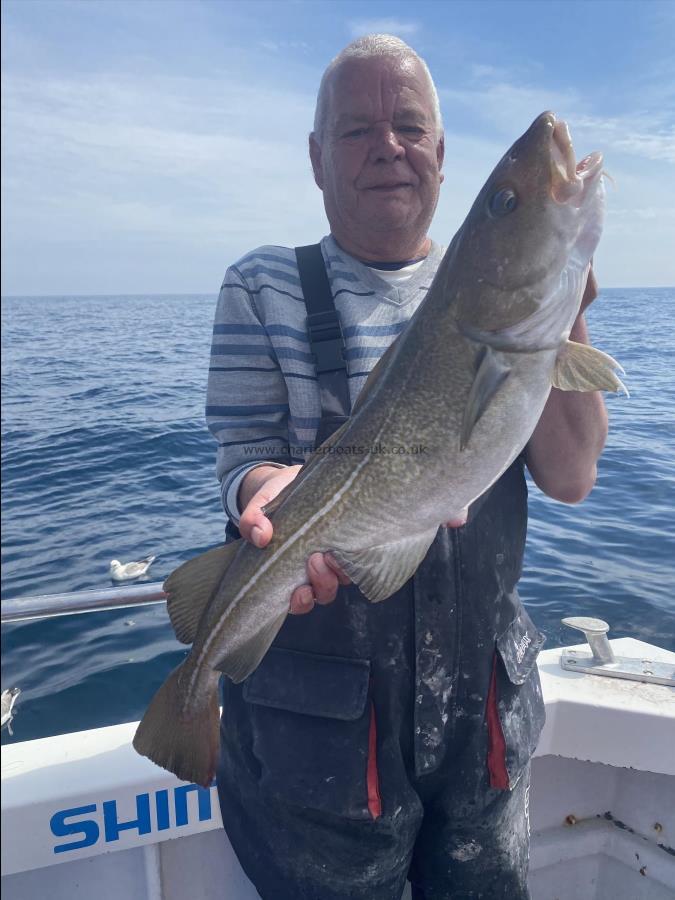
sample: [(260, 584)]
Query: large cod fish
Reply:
[(467, 380)]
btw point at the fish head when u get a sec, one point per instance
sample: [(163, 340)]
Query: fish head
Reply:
[(526, 245)]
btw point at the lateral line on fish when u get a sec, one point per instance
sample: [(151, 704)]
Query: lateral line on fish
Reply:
[(261, 570)]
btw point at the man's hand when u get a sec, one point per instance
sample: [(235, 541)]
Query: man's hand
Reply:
[(458, 520), (590, 291), (260, 486), (564, 448)]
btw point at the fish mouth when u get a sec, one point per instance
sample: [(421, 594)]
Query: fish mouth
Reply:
[(570, 179)]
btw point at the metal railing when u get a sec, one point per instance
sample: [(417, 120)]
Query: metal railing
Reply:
[(47, 606)]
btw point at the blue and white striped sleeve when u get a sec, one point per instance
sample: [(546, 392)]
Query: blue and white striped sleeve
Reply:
[(247, 400)]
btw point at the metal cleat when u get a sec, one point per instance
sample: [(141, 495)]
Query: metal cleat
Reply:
[(602, 660)]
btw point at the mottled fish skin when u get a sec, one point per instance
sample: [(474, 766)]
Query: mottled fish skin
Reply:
[(466, 381)]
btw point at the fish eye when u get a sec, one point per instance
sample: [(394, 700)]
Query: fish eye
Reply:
[(502, 202)]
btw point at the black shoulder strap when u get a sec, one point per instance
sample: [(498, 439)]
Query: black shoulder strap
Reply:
[(325, 337)]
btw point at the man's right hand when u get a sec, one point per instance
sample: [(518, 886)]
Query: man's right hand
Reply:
[(260, 486)]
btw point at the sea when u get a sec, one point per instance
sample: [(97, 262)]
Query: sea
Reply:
[(105, 455)]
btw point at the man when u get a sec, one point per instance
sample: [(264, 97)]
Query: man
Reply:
[(382, 741)]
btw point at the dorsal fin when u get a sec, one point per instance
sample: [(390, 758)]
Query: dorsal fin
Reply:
[(191, 586)]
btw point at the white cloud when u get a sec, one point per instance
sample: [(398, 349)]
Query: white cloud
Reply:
[(116, 151), (173, 167), (639, 148), (361, 27), (652, 212), (509, 108), (283, 46), (645, 135), (163, 178), (506, 108)]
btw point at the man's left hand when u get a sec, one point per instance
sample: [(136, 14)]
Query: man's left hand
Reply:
[(590, 291)]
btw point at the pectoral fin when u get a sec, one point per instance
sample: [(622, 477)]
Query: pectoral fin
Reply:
[(491, 374), (580, 367), (380, 571), (191, 586)]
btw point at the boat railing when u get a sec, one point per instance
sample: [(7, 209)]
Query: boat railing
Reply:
[(600, 661), (47, 606)]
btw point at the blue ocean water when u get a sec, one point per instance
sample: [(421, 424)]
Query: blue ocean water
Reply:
[(105, 455)]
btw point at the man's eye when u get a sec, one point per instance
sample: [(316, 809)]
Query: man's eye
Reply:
[(410, 129), (355, 132)]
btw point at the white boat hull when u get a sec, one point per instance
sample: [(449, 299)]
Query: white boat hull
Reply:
[(83, 816)]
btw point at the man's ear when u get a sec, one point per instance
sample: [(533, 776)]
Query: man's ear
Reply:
[(440, 156), (315, 157)]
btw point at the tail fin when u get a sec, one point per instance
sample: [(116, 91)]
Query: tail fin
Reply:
[(186, 745)]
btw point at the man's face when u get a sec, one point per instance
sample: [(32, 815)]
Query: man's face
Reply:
[(379, 162)]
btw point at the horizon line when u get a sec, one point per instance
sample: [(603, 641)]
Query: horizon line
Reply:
[(622, 287)]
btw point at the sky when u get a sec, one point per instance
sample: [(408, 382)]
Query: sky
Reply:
[(148, 144)]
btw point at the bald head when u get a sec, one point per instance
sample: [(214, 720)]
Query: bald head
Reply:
[(372, 47)]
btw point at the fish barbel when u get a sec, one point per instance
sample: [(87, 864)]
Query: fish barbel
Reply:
[(467, 381)]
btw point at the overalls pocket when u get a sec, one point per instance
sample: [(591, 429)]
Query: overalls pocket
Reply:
[(313, 732), (515, 706)]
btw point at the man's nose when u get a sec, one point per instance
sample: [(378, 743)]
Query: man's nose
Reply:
[(385, 145)]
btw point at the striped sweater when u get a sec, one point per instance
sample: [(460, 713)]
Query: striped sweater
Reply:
[(263, 401)]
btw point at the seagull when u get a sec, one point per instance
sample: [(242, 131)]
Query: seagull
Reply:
[(128, 571), (8, 701)]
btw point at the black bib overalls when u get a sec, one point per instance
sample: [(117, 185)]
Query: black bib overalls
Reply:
[(382, 741)]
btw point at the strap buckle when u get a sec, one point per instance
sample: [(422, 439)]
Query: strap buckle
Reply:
[(325, 336)]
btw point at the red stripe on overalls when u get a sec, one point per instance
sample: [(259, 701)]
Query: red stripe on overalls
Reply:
[(372, 777), (496, 757)]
